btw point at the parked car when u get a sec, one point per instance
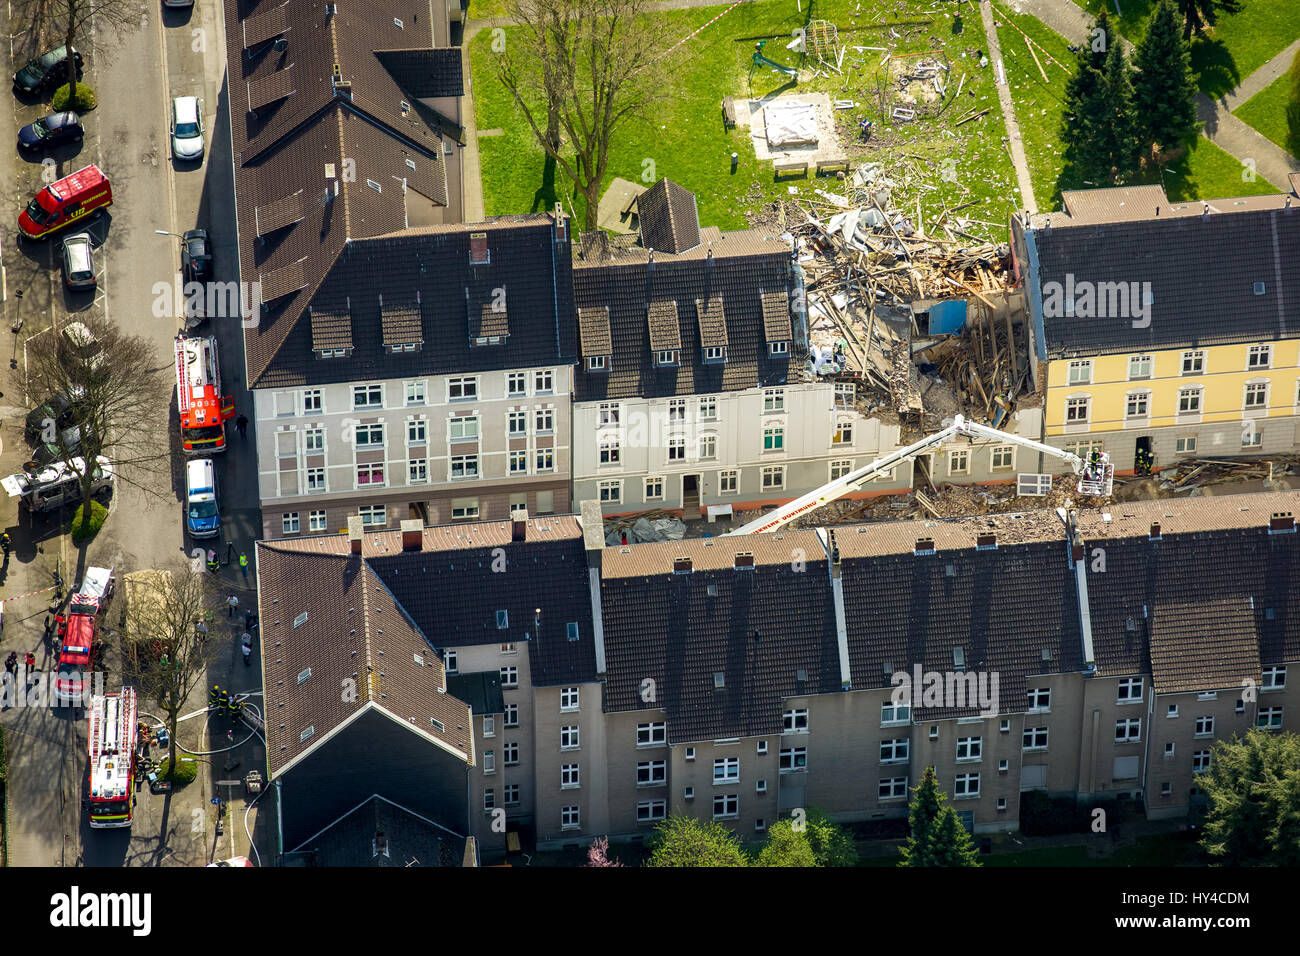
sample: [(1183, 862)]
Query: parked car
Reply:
[(78, 259), (59, 409), (69, 445), (47, 489), (51, 131), (187, 128), (60, 204), (196, 256), (47, 70), (81, 343), (203, 510)]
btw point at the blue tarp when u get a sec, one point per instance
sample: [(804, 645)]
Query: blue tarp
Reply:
[(947, 317)]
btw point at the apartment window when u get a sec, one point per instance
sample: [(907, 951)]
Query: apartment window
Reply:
[(1189, 401), (1260, 356), (1257, 395), (774, 478), (1252, 438), (715, 353), (676, 448), (568, 698), (690, 753), (708, 446), (1205, 726), (1004, 727), (773, 400), (609, 413), (372, 515), (966, 785), (462, 389), (569, 737), (569, 779), (314, 438), (1076, 410), (1193, 363), (1130, 690), (895, 751), (794, 759), (311, 401), (464, 508), (760, 786), (677, 410), (761, 749), (709, 409), (512, 715), (1274, 677), (1269, 718), (415, 393), (774, 438), (650, 772), (1200, 761), (1081, 372), (958, 462), (1185, 445), (596, 363), (516, 384), (726, 770), (611, 492), (510, 752), (544, 382), (489, 799), (1035, 738), (1173, 711), (1084, 449), (726, 805), (796, 721), (1137, 405), (668, 357), (369, 436), (570, 818), (545, 420), (891, 713), (461, 429), (289, 523), (503, 622), (545, 459), (489, 761), (649, 735), (370, 474), (464, 466), (1169, 749), (518, 462), (840, 468), (1139, 366), (654, 488), (610, 452), (893, 788), (451, 661), (1004, 457), (367, 396), (843, 434), (489, 726), (727, 482), (650, 810), (316, 521), (969, 748), (1128, 730), (509, 647), (511, 794), (509, 677), (315, 479)]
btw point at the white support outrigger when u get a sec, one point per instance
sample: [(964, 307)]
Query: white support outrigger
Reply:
[(1096, 476)]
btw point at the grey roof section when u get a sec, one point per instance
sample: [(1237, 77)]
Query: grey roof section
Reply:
[(431, 73), (669, 219), (481, 690), (381, 833)]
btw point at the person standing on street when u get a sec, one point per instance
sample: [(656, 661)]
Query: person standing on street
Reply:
[(232, 605), (30, 661), (243, 566), (241, 425)]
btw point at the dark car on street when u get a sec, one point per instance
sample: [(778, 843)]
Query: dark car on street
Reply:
[(48, 70), (50, 131), (59, 409), (196, 256)]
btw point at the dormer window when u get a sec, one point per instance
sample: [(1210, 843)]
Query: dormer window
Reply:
[(489, 340), (778, 348), (404, 347), (478, 250), (715, 354), (333, 353), (668, 357), (597, 363)]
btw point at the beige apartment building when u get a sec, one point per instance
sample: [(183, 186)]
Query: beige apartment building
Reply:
[(742, 679)]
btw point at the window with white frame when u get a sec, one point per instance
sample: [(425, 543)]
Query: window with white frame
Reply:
[(1193, 362), (415, 392), (370, 474), (1256, 395), (570, 818), (1128, 730), (516, 384), (728, 482), (1139, 366), (367, 396), (651, 735), (569, 737), (544, 382), (1259, 356), (596, 363), (708, 446), (517, 423), (569, 778), (846, 394), (965, 785), (1040, 700), (774, 438), (1129, 691), (1081, 372), (651, 772), (489, 761), (715, 353), (654, 488), (969, 748), (958, 462), (316, 521), (1137, 405), (489, 798), (611, 492), (545, 420), (489, 726), (315, 479), (666, 357), (794, 759), (463, 466), (843, 434), (510, 752), (568, 699), (1084, 449), (709, 408), (1003, 457), (774, 478), (369, 435), (676, 448), (518, 462), (1200, 761), (726, 805), (895, 751), (545, 459), (1252, 437), (462, 389), (1034, 738), (314, 438), (373, 515), (1274, 677), (1189, 401), (1204, 726), (648, 811), (841, 467), (609, 413), (761, 748), (611, 453), (893, 788), (509, 677), (773, 400), (511, 717), (451, 661), (795, 721), (1269, 718), (1076, 410), (311, 401), (1185, 444), (511, 794), (894, 714), (463, 428), (726, 770), (289, 523), (417, 431), (462, 508)]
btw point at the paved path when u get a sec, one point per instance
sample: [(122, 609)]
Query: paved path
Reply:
[(1224, 130), (1027, 199)]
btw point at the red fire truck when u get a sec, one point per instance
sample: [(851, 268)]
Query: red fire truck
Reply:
[(113, 731), (62, 203), (203, 408)]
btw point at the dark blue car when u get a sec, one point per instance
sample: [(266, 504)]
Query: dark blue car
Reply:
[(51, 131)]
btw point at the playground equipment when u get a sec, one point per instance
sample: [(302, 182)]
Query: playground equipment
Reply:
[(760, 60)]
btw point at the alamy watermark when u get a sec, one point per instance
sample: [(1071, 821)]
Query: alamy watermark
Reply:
[(211, 300), (946, 689), (25, 688), (1082, 299)]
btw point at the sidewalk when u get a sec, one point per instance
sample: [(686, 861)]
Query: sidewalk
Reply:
[(1027, 200)]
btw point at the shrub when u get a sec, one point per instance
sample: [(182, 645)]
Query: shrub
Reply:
[(82, 99), (186, 771), (86, 526)]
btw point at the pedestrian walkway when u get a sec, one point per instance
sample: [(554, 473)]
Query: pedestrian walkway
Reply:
[(1027, 199)]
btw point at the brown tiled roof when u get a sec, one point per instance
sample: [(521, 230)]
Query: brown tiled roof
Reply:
[(331, 327), (273, 86), (331, 614), (400, 319), (668, 217), (287, 279), (277, 214), (268, 22), (1203, 645), (426, 73), (776, 317), (593, 331), (661, 316), (713, 322)]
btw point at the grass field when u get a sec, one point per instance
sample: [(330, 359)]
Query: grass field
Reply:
[(685, 141), (1272, 113)]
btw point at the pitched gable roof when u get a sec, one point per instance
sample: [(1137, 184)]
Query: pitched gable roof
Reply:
[(1203, 645), (669, 219)]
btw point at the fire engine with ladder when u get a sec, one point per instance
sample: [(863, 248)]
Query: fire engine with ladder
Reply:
[(203, 409), (113, 731), (1096, 475)]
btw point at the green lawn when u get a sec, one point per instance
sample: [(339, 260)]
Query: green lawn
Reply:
[(1230, 51), (684, 139), (1272, 113), (486, 9)]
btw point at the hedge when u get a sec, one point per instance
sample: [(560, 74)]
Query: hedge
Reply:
[(82, 101), (84, 529)]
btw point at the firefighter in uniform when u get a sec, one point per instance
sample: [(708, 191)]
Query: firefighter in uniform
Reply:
[(214, 696)]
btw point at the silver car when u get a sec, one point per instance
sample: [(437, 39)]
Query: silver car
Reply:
[(79, 262), (187, 128)]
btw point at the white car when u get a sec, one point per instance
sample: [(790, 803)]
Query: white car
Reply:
[(187, 128)]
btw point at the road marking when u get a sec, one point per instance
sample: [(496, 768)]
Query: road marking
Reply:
[(170, 173)]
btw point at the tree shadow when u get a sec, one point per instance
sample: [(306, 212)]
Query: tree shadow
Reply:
[(1214, 67), (545, 197), (1293, 126)]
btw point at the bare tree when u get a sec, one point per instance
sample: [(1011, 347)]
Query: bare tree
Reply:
[(593, 62), (168, 646), (119, 400), (71, 19)]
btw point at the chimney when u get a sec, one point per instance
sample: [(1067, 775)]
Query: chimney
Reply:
[(1157, 209), (354, 533), (1205, 209), (744, 560), (478, 248), (650, 260), (986, 539), (519, 524), (412, 534), (1281, 522), (1155, 531), (924, 546), (593, 537), (561, 224), (1288, 203), (682, 566)]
